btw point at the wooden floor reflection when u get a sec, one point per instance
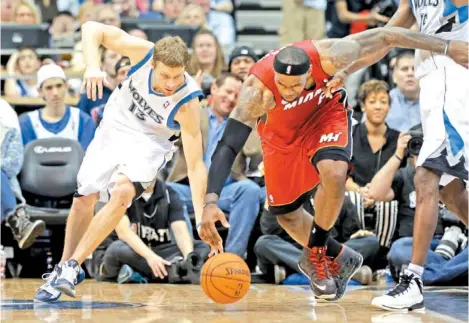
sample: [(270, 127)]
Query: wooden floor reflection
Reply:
[(106, 302)]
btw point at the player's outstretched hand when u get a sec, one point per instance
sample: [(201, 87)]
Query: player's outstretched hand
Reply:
[(208, 231), (93, 81), (333, 85), (457, 50)]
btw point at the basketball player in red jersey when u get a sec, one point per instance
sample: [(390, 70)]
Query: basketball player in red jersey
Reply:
[(306, 141)]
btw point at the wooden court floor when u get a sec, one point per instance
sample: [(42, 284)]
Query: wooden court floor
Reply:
[(107, 302)]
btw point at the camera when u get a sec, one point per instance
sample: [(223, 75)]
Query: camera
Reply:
[(415, 143), (450, 241)]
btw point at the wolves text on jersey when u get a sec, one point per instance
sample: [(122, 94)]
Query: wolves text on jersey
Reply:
[(140, 108)]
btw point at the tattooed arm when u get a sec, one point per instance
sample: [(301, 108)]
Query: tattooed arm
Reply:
[(357, 51), (253, 102)]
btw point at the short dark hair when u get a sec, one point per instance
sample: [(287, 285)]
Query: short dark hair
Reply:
[(292, 60), (220, 81), (404, 54)]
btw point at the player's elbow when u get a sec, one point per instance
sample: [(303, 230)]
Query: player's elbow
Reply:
[(388, 35)]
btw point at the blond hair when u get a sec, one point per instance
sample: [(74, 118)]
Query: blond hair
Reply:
[(171, 51), (84, 8), (372, 86), (189, 8), (31, 6), (194, 65)]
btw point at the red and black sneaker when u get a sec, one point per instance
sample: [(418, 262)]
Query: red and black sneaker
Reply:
[(313, 264), (342, 268)]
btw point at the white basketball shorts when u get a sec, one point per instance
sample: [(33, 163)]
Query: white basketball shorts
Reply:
[(116, 151), (444, 98)]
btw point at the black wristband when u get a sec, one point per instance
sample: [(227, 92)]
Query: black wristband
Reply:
[(234, 137)]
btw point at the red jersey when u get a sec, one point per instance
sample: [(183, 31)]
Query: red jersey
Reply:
[(286, 121)]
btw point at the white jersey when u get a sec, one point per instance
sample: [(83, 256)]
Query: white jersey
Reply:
[(136, 136), (442, 19), (70, 131), (135, 106), (443, 97)]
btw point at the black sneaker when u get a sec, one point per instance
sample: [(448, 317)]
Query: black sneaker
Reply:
[(24, 231)]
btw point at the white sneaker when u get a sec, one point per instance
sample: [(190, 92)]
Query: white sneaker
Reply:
[(46, 293), (406, 296)]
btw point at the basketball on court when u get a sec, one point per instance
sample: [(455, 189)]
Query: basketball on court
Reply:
[(225, 278)]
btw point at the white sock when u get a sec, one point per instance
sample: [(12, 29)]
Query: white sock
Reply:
[(416, 269)]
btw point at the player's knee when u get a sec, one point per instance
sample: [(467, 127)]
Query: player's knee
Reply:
[(333, 173), (123, 193), (85, 203), (426, 184)]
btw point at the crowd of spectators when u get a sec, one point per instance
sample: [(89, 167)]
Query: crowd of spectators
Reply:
[(41, 98)]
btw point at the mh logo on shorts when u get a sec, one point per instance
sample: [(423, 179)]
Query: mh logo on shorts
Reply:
[(330, 137)]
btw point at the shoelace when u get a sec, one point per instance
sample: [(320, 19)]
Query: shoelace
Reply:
[(318, 259), (332, 266), (403, 286)]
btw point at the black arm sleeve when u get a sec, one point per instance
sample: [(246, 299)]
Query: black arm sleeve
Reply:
[(234, 137)]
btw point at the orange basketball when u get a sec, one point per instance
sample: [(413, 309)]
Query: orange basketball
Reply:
[(225, 278)]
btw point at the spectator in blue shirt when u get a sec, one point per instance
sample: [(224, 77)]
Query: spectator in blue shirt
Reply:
[(221, 24), (56, 119), (405, 108)]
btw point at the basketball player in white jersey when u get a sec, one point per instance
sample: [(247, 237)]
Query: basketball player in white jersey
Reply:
[(443, 159), (132, 143)]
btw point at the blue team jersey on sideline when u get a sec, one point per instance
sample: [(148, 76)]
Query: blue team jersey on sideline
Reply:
[(86, 127)]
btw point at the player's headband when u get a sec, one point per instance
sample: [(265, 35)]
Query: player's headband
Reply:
[(290, 69)]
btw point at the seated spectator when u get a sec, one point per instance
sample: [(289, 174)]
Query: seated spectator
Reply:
[(207, 61), (23, 64), (241, 60), (394, 183), (6, 10), (146, 10), (278, 254), (240, 197), (374, 143), (192, 15), (56, 119), (302, 20), (87, 12), (63, 29), (24, 231), (222, 5), (125, 8), (172, 9), (221, 24), (26, 13), (122, 68), (405, 106), (105, 14), (138, 33), (146, 247), (95, 109), (71, 6)]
